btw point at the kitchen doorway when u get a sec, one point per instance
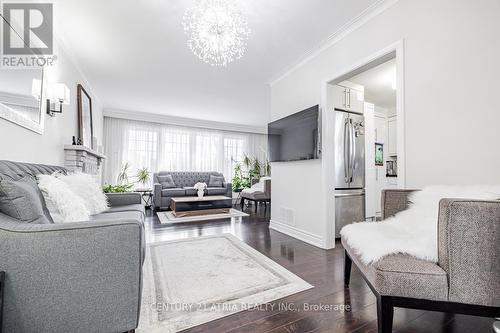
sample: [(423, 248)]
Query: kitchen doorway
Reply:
[(380, 114), (374, 90)]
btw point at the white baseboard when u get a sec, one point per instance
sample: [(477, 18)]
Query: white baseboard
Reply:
[(300, 234)]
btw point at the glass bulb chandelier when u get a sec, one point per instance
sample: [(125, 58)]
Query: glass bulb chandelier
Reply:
[(217, 31)]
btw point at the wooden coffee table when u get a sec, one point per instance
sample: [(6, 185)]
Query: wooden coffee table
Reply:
[(194, 206)]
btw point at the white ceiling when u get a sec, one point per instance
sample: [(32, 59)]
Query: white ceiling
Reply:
[(135, 56), (378, 84)]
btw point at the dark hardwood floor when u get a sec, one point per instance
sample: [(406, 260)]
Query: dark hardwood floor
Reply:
[(324, 270)]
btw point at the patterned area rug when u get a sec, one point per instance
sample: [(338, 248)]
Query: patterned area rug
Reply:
[(168, 217), (196, 280)]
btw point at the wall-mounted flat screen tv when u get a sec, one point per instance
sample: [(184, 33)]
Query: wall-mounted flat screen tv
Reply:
[(295, 137)]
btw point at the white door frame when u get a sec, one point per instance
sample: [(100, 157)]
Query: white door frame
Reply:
[(395, 50)]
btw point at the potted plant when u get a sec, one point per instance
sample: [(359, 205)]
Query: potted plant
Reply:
[(267, 168), (239, 182), (123, 174), (143, 176), (108, 188), (200, 188), (123, 182), (247, 162), (256, 169)]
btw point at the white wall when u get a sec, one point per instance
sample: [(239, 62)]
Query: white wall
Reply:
[(20, 144), (451, 79), (370, 167), (380, 123)]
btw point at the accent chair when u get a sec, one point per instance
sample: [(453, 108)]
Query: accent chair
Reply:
[(466, 278)]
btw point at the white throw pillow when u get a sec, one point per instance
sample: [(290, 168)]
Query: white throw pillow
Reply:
[(85, 186), (63, 205)]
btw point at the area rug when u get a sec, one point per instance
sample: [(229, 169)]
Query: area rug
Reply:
[(168, 217), (192, 281)]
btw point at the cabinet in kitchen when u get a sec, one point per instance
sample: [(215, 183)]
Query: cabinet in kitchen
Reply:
[(348, 98)]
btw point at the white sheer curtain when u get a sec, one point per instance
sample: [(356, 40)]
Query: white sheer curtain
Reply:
[(161, 147)]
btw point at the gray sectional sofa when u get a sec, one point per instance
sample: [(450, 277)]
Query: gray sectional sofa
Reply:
[(183, 186), (73, 277)]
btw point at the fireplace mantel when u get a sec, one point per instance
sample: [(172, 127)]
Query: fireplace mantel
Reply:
[(83, 159)]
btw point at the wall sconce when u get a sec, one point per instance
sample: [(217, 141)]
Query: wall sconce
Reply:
[(57, 93)]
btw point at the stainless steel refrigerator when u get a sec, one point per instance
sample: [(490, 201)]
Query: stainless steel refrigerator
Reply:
[(349, 169)]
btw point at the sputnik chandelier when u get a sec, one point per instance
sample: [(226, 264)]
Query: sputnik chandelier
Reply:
[(217, 31)]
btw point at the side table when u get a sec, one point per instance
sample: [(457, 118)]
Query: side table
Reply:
[(238, 198), (147, 196)]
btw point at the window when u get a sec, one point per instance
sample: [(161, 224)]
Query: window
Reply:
[(161, 147), (207, 152), (233, 153), (176, 152), (142, 149)]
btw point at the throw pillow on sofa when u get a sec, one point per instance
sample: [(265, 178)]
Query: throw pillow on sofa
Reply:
[(216, 181), (21, 199), (63, 204), (166, 181), (86, 187)]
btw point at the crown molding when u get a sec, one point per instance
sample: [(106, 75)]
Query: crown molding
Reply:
[(358, 21), (181, 121)]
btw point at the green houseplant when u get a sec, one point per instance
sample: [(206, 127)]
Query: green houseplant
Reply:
[(239, 182), (123, 174), (108, 188), (256, 169), (123, 182), (267, 168), (247, 162), (143, 176)]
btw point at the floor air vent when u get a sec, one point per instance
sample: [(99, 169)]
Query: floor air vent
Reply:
[(287, 215)]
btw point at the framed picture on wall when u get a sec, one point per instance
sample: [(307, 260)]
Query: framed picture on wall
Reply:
[(85, 122), (379, 154)]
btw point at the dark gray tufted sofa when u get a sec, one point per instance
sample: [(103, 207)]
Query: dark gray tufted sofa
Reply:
[(72, 277), (184, 182)]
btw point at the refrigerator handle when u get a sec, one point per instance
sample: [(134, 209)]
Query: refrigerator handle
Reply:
[(347, 150), (352, 150)]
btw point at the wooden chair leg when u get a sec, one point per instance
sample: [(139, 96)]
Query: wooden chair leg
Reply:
[(385, 314), (347, 269)]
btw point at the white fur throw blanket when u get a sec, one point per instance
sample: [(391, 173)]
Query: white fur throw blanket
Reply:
[(413, 231)]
